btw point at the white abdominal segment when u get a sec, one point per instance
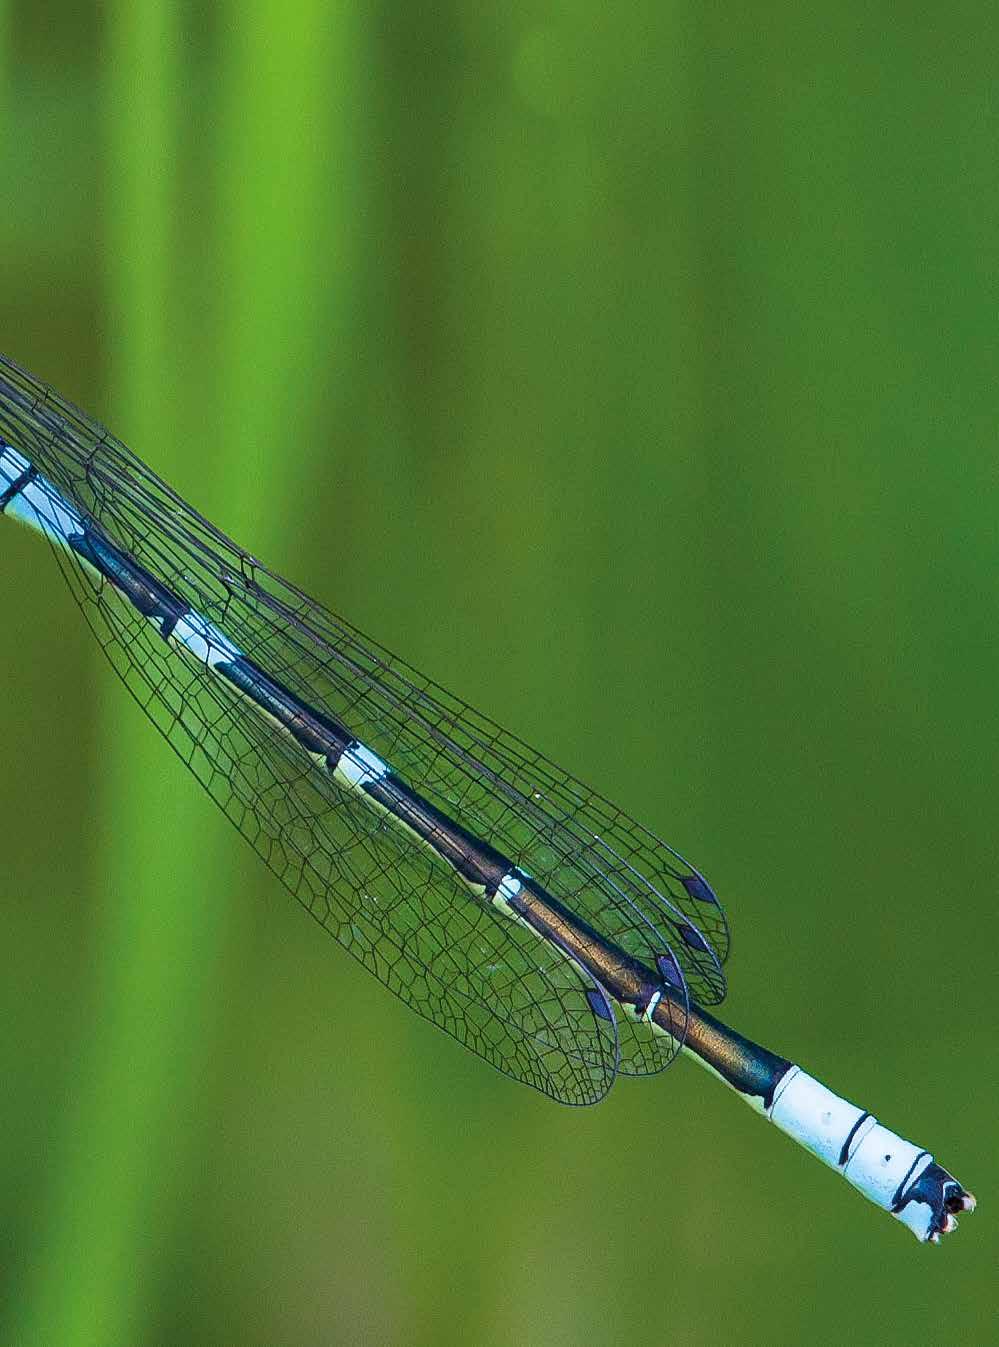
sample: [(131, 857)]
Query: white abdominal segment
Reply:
[(508, 887), (875, 1160)]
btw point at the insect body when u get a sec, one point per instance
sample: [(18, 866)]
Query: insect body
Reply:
[(492, 892)]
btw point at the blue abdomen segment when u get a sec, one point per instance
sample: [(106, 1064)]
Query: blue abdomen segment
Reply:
[(28, 497)]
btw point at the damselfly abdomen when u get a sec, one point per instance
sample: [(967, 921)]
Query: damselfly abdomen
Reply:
[(494, 893)]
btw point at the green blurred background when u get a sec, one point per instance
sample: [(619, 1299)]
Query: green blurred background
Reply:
[(632, 371)]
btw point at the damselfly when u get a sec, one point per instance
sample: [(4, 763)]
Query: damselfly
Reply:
[(492, 892)]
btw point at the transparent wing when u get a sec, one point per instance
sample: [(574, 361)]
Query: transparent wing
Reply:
[(432, 738), (523, 1005), (511, 998)]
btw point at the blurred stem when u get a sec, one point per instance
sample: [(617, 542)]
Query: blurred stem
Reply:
[(115, 1196), (110, 1200), (287, 193)]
